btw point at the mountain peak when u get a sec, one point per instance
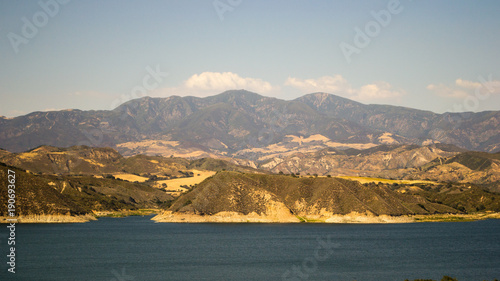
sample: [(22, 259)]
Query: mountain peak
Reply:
[(241, 119), (325, 102), (239, 94)]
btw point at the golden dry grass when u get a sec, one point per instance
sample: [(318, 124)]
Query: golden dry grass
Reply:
[(351, 145), (387, 138), (368, 180), (130, 177), (147, 143), (172, 184), (175, 184), (93, 162), (27, 155)]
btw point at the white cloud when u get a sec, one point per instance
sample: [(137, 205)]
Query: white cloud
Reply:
[(467, 84), (379, 90), (328, 84), (338, 85), (463, 88), (226, 81), (447, 91), (211, 83)]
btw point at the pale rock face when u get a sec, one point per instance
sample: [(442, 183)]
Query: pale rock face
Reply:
[(276, 214)]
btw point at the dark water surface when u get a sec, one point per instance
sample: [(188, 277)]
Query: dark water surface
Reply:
[(136, 248)]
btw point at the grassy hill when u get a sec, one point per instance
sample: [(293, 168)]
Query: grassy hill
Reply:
[(76, 195), (304, 197), (474, 160), (84, 160), (81, 180)]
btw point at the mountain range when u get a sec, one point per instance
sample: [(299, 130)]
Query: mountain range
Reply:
[(245, 125), (240, 156)]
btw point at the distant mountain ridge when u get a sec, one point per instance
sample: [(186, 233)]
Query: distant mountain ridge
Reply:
[(98, 161), (235, 122)]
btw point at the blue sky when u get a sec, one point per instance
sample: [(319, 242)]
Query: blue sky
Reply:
[(431, 55)]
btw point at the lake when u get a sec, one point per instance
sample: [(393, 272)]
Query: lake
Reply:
[(136, 248)]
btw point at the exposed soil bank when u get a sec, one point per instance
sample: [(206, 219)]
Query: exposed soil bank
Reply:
[(223, 217), (234, 217), (49, 219)]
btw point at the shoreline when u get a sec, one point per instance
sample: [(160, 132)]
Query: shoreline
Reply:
[(456, 217), (234, 217), (47, 219), (95, 215), (351, 218)]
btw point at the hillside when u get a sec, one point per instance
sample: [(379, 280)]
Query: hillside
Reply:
[(436, 162), (211, 164), (84, 160), (170, 174), (465, 167), (84, 180), (75, 195), (257, 197), (247, 125), (380, 161)]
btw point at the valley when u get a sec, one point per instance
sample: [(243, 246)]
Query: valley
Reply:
[(383, 184)]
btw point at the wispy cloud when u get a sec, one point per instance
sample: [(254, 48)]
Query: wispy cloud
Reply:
[(446, 91), (463, 88), (210, 83), (340, 86), (328, 84)]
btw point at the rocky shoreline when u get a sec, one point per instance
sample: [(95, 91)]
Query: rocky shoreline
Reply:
[(235, 217), (223, 217), (354, 217), (49, 219)]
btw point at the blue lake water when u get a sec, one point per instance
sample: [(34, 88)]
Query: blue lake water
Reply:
[(136, 248)]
